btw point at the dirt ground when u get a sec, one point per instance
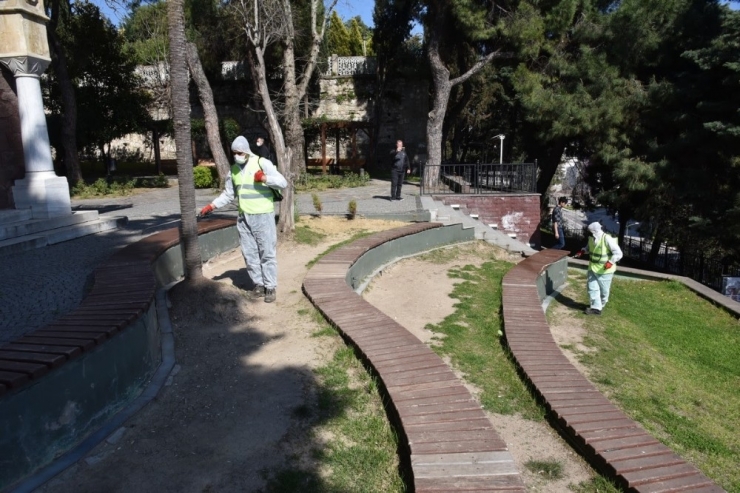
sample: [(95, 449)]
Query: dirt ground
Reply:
[(229, 412)]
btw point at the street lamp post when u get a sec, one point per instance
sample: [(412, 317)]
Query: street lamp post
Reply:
[(501, 138)]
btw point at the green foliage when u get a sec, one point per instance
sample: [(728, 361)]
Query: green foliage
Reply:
[(599, 484), (668, 357), (352, 208), (159, 181), (230, 130), (205, 176), (472, 342), (548, 469), (145, 30), (101, 187), (110, 101), (309, 182), (337, 36), (306, 236), (362, 453), (317, 202)]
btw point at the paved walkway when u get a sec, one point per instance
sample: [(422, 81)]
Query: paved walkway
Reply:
[(38, 286)]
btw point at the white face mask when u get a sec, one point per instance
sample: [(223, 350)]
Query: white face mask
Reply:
[(240, 159)]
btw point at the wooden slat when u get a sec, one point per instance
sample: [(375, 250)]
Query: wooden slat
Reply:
[(51, 360), (437, 413), (33, 370), (636, 459)]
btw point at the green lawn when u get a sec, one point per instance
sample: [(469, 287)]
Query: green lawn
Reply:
[(670, 360)]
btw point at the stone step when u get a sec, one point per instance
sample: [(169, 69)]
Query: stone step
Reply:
[(58, 235), (10, 216), (27, 227)]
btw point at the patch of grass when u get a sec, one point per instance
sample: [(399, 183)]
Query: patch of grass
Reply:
[(597, 484), (548, 469), (305, 235), (361, 456), (356, 236), (473, 344), (669, 359), (441, 255)]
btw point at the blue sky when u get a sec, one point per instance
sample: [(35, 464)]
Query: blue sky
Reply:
[(345, 8)]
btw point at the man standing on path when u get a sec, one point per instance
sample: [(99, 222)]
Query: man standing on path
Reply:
[(252, 179), (604, 253), (399, 167), (557, 224)]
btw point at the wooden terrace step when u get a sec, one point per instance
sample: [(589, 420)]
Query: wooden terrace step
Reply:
[(123, 289), (451, 443), (607, 437)]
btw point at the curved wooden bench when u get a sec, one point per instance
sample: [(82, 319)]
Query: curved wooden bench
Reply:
[(123, 290), (608, 438), (451, 444), (60, 382)]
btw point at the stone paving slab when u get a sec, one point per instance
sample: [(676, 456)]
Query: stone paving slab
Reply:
[(39, 286)]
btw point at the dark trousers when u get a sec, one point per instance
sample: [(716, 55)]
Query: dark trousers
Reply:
[(396, 182), (560, 242)]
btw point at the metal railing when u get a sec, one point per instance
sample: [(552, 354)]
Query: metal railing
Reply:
[(478, 178), (705, 270)]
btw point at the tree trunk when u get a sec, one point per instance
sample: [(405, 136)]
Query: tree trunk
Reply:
[(157, 153), (655, 247), (282, 152), (442, 87), (181, 120), (209, 111), (548, 165), (69, 101)]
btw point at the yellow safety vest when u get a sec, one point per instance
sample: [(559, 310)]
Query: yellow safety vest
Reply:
[(599, 255), (254, 198)]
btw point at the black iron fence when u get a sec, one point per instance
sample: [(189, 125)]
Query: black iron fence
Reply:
[(705, 270), (478, 178)]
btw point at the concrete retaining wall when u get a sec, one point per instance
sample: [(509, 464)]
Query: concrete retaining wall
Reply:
[(48, 417)]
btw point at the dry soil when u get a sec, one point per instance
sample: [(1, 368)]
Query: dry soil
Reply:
[(229, 412)]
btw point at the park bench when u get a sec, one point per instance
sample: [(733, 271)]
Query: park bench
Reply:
[(612, 442), (448, 442)]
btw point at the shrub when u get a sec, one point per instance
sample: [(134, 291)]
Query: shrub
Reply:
[(159, 181), (307, 182), (205, 176), (352, 208), (229, 130), (116, 186), (317, 202)]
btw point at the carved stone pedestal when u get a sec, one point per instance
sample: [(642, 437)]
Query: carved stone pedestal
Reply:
[(24, 50)]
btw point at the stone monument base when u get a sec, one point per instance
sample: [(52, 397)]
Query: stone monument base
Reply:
[(45, 193)]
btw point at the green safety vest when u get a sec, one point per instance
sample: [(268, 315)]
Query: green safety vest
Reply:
[(254, 198), (599, 254)]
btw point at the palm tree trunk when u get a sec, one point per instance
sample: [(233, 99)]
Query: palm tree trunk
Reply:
[(181, 119)]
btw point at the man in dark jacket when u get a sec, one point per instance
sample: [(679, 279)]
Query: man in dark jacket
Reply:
[(399, 167), (261, 148)]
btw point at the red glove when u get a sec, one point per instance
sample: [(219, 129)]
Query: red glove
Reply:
[(578, 254), (207, 210), (260, 176), (608, 265)]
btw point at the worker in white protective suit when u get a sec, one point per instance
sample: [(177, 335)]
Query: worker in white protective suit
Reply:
[(604, 253), (252, 181)]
